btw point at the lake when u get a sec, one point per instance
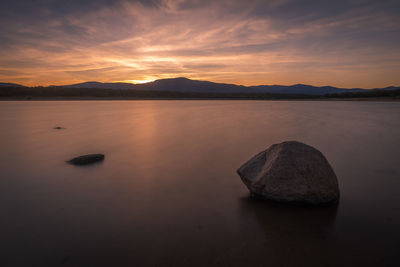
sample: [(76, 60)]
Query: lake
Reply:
[(167, 193)]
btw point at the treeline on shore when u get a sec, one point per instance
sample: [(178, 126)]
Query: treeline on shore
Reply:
[(65, 92)]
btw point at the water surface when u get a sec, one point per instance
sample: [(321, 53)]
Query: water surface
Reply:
[(168, 194)]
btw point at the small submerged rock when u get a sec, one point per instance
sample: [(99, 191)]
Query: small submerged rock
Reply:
[(86, 159), (291, 172), (59, 128)]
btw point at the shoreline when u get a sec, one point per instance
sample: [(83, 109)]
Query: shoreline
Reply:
[(362, 99)]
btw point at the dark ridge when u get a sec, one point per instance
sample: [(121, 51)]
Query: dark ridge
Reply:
[(10, 85), (183, 88)]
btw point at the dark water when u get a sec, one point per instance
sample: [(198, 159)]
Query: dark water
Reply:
[(167, 193)]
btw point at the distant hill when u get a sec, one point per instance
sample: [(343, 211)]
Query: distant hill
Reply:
[(10, 85), (304, 89), (186, 85), (120, 86), (182, 84)]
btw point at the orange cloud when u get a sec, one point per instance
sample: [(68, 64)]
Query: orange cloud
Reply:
[(230, 42)]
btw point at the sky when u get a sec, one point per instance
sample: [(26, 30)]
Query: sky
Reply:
[(353, 43)]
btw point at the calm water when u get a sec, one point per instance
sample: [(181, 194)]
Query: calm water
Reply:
[(168, 194)]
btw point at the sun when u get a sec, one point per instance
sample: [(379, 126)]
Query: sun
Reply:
[(139, 81)]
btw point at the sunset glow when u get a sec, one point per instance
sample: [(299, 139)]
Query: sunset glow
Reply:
[(340, 43), (139, 81)]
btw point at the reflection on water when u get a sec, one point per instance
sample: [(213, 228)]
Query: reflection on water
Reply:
[(294, 235), (167, 193)]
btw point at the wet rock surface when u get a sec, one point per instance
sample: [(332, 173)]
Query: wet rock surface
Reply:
[(291, 172)]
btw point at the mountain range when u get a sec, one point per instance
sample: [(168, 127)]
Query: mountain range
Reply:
[(182, 84)]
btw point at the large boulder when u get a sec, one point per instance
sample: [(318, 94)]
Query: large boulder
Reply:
[(291, 172)]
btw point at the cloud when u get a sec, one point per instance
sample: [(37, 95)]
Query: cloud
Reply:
[(343, 43)]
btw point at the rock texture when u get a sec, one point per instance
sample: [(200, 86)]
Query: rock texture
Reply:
[(86, 159), (291, 172)]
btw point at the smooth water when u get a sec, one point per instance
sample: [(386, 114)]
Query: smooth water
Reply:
[(168, 194)]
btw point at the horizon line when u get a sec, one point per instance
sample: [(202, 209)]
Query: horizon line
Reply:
[(200, 80)]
